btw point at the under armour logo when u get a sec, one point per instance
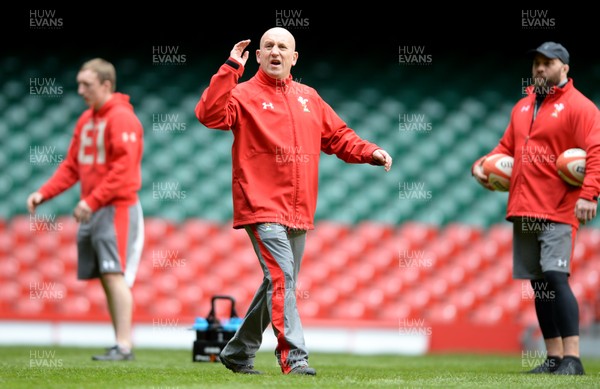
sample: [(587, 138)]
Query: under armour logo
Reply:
[(128, 136), (525, 108), (267, 105), (303, 101), (562, 263)]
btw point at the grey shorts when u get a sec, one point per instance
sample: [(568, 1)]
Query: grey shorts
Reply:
[(111, 242), (539, 246)]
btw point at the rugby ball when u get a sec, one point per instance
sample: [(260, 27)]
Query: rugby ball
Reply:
[(570, 166), (498, 169)]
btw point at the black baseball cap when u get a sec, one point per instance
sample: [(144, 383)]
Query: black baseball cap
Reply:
[(552, 50)]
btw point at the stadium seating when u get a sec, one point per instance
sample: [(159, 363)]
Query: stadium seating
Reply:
[(375, 255)]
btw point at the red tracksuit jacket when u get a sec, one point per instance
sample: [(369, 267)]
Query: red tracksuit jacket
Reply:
[(105, 155), (280, 128), (566, 119)]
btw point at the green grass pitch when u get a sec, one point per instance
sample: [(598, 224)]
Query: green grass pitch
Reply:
[(72, 367)]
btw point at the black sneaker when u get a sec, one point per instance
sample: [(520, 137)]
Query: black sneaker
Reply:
[(570, 366), (114, 354), (549, 365), (303, 370), (237, 368)]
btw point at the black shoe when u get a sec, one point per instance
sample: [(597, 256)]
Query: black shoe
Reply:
[(114, 354), (547, 367), (237, 368), (303, 370), (570, 366)]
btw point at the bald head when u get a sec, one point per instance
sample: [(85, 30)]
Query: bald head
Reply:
[(279, 34), (277, 53)]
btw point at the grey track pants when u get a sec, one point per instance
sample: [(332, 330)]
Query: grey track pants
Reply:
[(279, 251)]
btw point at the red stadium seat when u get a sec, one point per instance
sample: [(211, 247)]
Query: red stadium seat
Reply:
[(9, 268), (202, 257), (441, 250), (488, 314), (241, 294), (383, 259), (166, 283), (418, 233), (70, 227), (410, 275), (482, 288), (442, 312), (489, 251), (27, 254), (461, 234), (527, 317), (356, 246), (67, 253), (419, 297), (20, 229), (47, 244), (436, 285), (365, 273), (374, 299), (454, 275), (245, 258), (512, 303), (30, 278), (391, 285), (471, 261), (463, 299), (156, 230), (75, 305), (309, 309), (174, 246), (498, 274), (185, 271), (372, 233), (96, 297), (227, 270), (326, 296), (52, 269), (6, 243), (396, 311), (29, 307), (74, 286), (213, 284), (11, 291), (199, 231), (351, 310), (191, 297), (502, 234), (144, 296), (329, 233), (337, 259), (345, 283), (591, 281), (318, 273), (166, 307), (223, 244)]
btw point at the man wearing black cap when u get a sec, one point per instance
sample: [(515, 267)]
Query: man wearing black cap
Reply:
[(546, 211)]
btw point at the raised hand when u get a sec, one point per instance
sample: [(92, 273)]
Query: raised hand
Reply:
[(238, 52)]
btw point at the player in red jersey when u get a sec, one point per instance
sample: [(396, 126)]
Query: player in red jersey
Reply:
[(105, 157)]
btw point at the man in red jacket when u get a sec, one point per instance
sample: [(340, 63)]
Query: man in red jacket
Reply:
[(544, 209), (105, 156), (279, 127)]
